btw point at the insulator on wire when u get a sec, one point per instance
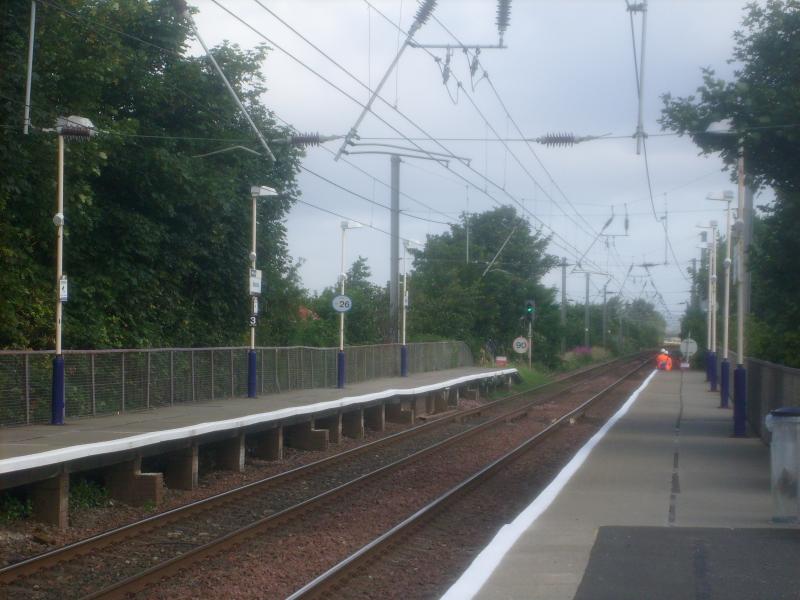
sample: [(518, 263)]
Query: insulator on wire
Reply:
[(304, 139), (74, 134), (503, 16), (473, 66), (424, 12), (557, 139), (627, 222)]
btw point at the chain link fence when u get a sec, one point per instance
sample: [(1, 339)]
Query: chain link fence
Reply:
[(106, 382)]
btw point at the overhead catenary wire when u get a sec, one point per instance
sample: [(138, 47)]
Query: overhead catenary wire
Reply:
[(569, 247), (519, 132), (565, 245)]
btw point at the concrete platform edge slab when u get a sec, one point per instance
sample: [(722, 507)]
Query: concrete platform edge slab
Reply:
[(51, 457), (477, 574)]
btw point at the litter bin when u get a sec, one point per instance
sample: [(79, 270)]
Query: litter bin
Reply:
[(784, 423)]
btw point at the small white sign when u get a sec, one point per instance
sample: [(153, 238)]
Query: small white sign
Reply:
[(255, 305), (405, 299), (255, 282), (342, 304), (253, 320), (520, 345), (688, 347), (63, 291)]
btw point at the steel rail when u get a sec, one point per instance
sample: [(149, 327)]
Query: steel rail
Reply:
[(88, 545), (141, 581), (335, 577)]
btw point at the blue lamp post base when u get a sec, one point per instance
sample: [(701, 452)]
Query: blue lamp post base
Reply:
[(403, 361), (724, 383), (252, 375), (712, 373), (340, 369), (58, 404), (739, 401)]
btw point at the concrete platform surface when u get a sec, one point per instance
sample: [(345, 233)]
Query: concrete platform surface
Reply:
[(669, 462), (38, 445), (664, 563)]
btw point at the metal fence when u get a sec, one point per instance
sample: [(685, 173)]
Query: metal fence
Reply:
[(105, 382), (769, 386)]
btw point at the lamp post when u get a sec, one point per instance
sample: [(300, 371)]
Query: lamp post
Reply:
[(256, 192), (67, 128), (725, 127), (713, 313), (725, 366), (340, 361), (711, 357), (404, 347)]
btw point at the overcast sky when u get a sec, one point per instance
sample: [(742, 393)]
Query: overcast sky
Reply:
[(568, 66)]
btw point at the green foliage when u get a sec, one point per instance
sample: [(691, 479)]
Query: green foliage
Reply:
[(156, 239), (84, 493), (763, 97), (479, 301), (13, 508), (531, 378), (365, 323)]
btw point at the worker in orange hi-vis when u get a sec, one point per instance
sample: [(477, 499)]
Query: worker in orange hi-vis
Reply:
[(669, 362), (663, 361)]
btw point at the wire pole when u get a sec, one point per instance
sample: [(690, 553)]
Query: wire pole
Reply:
[(394, 254), (605, 289), (184, 10), (31, 35), (424, 11), (639, 123), (563, 304), (586, 314)]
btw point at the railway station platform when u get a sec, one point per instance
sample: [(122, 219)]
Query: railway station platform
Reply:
[(169, 439), (661, 503)]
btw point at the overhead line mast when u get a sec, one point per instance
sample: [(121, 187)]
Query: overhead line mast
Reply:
[(423, 14)]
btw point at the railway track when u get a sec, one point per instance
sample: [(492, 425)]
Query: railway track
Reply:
[(130, 558), (400, 548)]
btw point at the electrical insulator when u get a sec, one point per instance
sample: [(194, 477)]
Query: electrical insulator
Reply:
[(424, 12), (503, 16), (557, 139), (473, 66), (304, 139), (626, 219), (446, 70)]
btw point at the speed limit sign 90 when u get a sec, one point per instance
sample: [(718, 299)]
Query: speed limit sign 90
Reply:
[(520, 345), (342, 304)]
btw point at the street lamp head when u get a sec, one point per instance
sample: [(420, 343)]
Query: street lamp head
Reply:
[(351, 225), (75, 128), (726, 196), (408, 243), (258, 191), (721, 127)]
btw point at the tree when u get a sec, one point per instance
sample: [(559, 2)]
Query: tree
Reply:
[(483, 299), (157, 239), (763, 102), (366, 322)]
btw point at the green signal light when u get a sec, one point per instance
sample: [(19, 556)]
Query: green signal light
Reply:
[(530, 308)]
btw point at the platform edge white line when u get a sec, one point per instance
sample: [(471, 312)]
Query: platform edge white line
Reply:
[(49, 457)]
